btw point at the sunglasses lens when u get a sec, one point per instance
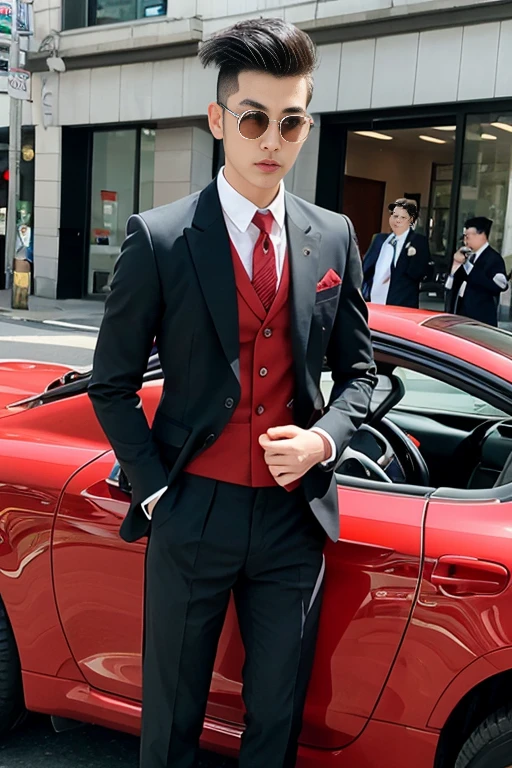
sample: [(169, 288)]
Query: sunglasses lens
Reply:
[(253, 125), (295, 128)]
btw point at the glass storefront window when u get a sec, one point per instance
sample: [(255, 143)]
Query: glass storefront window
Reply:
[(416, 163), (486, 182), (88, 13), (115, 195)]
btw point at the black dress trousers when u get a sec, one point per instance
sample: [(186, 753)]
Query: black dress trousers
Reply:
[(208, 539)]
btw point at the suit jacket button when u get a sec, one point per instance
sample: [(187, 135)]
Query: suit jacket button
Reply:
[(209, 440), (229, 402)]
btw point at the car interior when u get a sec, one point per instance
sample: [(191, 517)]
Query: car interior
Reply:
[(424, 432)]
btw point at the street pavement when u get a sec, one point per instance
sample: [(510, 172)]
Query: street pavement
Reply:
[(36, 744), (34, 341)]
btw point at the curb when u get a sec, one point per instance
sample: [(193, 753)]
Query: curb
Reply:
[(74, 326), (7, 317)]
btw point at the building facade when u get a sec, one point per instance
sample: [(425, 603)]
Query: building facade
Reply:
[(412, 97)]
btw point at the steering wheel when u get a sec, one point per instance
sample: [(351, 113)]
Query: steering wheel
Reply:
[(414, 465), (387, 454), (355, 462)]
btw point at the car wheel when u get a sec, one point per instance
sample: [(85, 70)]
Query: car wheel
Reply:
[(12, 708), (490, 745)]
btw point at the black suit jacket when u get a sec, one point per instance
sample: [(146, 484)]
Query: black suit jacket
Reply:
[(174, 280), (482, 294), (406, 275)]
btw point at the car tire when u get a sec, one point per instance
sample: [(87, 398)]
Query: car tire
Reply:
[(490, 745), (12, 705)]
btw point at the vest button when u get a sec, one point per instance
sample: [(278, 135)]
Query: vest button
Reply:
[(229, 402), (267, 333), (260, 409), (263, 371)]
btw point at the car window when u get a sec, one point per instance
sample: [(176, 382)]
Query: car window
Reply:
[(494, 339), (424, 393)]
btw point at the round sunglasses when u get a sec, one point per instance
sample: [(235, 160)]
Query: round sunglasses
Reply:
[(253, 123)]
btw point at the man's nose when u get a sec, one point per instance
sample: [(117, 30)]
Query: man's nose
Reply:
[(271, 139)]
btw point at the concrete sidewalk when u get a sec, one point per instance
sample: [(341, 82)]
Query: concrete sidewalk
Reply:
[(82, 313)]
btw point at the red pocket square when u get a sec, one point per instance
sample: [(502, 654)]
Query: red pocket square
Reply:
[(329, 280)]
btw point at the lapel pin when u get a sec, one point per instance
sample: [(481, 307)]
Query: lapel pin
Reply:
[(306, 251)]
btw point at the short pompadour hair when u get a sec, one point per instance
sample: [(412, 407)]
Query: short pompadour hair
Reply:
[(408, 205), (259, 45), (481, 223)]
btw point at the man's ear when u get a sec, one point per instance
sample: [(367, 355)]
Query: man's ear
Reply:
[(216, 120)]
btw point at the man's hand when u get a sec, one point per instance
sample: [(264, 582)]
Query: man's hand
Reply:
[(458, 259), (290, 452)]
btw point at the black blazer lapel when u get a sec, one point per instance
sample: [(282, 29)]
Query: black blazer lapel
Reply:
[(303, 254), (209, 246)]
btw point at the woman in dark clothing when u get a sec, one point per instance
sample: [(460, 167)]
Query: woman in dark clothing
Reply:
[(396, 263)]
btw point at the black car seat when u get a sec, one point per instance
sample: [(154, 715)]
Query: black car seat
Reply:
[(505, 474)]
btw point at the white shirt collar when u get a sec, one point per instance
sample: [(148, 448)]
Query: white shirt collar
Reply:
[(481, 250), (241, 211), (400, 238)]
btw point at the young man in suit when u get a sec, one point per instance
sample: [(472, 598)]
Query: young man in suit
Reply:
[(246, 288), (478, 275), (395, 264)]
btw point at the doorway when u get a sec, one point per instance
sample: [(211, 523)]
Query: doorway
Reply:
[(363, 202)]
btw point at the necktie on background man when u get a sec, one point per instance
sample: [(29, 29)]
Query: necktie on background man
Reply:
[(264, 271), (394, 243)]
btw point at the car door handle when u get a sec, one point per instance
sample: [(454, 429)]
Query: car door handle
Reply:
[(458, 576)]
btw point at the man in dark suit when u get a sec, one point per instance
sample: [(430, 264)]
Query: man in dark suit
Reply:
[(246, 288), (395, 264), (478, 275)]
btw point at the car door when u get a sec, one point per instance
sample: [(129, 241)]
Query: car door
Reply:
[(371, 580), (464, 610)]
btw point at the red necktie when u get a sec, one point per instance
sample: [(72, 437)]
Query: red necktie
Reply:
[(264, 271)]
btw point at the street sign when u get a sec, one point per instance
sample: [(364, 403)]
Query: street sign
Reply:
[(19, 84)]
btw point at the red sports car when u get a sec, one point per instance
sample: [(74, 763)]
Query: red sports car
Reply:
[(414, 659)]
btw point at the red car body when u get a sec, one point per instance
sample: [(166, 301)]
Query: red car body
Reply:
[(401, 654)]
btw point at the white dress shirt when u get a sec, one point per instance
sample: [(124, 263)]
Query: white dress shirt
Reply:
[(238, 214), (387, 259)]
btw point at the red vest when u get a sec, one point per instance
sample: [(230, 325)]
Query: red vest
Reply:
[(267, 384)]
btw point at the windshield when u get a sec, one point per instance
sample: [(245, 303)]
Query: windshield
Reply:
[(494, 339)]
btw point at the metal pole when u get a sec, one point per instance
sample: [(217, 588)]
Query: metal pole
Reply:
[(15, 107)]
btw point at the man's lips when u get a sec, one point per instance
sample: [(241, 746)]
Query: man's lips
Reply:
[(267, 166)]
